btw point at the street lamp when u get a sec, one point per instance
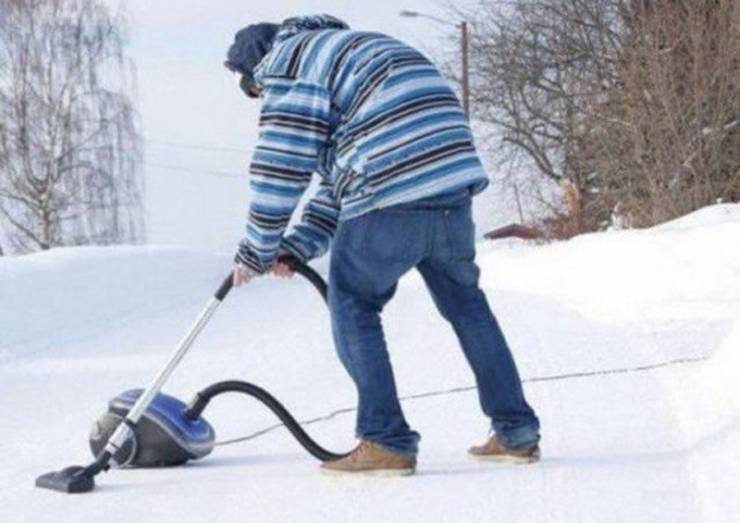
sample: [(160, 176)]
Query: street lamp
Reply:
[(463, 26)]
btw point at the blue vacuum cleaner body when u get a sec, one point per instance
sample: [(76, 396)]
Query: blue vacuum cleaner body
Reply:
[(163, 437)]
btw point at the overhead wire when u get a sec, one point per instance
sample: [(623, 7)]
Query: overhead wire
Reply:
[(223, 174), (198, 147)]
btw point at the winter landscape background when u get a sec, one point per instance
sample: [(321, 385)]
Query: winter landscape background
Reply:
[(628, 341)]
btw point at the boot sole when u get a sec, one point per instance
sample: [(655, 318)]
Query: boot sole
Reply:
[(381, 473), (507, 458)]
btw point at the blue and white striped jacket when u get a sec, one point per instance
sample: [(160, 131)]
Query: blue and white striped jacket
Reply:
[(370, 115)]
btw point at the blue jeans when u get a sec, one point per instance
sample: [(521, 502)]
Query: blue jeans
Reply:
[(369, 254)]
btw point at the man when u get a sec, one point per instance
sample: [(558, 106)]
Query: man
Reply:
[(386, 134)]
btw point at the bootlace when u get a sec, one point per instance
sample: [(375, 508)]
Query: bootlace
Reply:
[(359, 451)]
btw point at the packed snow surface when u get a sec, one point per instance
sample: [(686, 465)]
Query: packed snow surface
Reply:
[(629, 343)]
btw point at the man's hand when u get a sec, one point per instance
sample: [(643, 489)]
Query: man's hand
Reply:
[(242, 275), (282, 270)]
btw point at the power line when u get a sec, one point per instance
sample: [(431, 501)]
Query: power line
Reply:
[(223, 174), (199, 147)]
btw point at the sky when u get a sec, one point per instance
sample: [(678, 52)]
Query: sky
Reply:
[(198, 195)]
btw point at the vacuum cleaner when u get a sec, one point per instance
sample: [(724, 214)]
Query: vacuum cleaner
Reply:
[(147, 428)]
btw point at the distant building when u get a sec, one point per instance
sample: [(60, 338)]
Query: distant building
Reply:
[(514, 230)]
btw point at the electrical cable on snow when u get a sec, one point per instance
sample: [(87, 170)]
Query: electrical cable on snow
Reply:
[(455, 390)]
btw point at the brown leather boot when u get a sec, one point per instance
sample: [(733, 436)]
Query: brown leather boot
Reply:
[(494, 450), (371, 459)]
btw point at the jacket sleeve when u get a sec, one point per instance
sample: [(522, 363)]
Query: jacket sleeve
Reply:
[(311, 238), (294, 128)]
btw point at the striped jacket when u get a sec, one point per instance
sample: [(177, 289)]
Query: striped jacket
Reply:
[(370, 115)]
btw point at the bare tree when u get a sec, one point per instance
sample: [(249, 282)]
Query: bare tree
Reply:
[(69, 148), (670, 142), (538, 66), (630, 105), (3, 160)]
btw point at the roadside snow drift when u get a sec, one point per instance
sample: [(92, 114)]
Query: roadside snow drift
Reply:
[(629, 343)]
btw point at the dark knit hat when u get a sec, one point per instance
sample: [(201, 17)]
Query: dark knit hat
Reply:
[(250, 46)]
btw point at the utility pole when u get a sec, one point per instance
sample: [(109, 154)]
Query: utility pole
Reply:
[(465, 68), (465, 50)]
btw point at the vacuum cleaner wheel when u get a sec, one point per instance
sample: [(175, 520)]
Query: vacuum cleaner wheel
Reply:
[(163, 437)]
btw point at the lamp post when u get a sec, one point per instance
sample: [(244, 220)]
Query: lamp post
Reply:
[(464, 47)]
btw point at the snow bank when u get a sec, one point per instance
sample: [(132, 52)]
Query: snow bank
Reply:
[(707, 404), (709, 400), (721, 375), (707, 216), (685, 269), (50, 296)]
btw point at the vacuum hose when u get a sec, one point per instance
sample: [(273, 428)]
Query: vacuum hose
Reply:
[(202, 398)]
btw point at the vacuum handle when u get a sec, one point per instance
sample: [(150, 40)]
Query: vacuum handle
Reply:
[(307, 272), (225, 287), (295, 265)]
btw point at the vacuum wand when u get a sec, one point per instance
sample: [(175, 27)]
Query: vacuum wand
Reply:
[(77, 479), (123, 431)]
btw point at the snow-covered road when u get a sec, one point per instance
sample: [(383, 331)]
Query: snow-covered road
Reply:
[(660, 443)]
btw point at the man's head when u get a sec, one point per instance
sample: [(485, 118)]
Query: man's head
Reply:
[(250, 46)]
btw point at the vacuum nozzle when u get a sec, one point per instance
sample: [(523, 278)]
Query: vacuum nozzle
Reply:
[(71, 480)]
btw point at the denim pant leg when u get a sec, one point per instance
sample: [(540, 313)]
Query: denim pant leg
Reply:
[(362, 279), (451, 275)]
